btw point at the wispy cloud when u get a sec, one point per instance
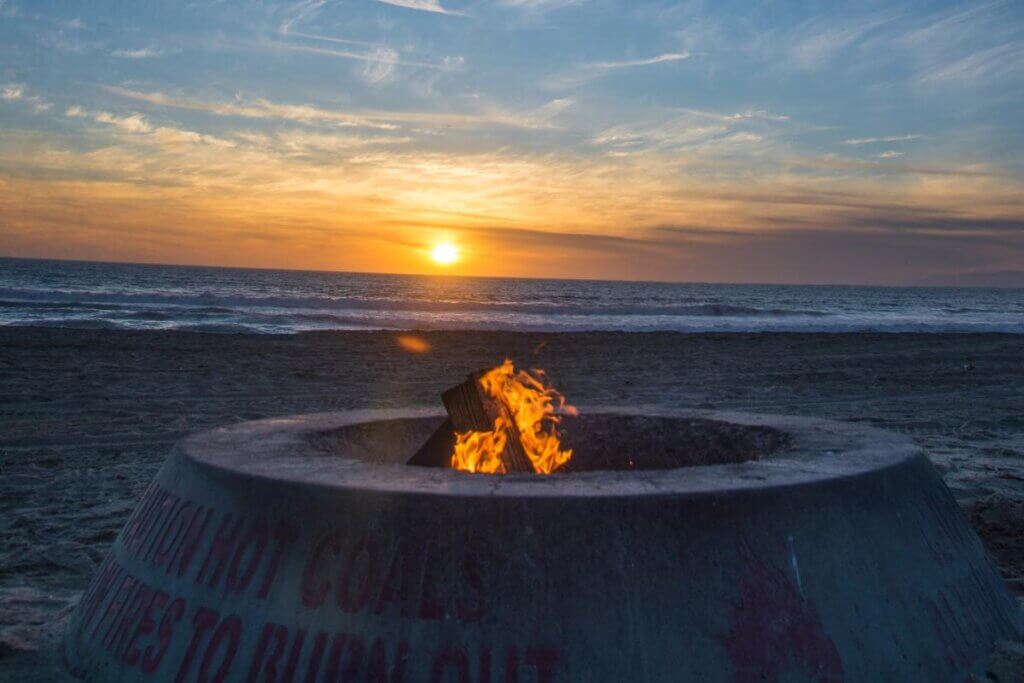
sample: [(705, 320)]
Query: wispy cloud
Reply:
[(816, 42), (983, 67), (890, 154), (589, 71), (381, 53), (977, 45), (12, 92), (305, 143), (541, 5), (670, 134), (132, 123), (748, 115), (422, 5), (380, 62), (139, 53), (16, 92), (254, 109), (298, 12), (137, 124), (552, 109), (692, 129), (952, 25), (887, 138), (834, 161), (526, 13), (380, 69), (754, 115), (305, 113), (330, 39), (630, 63)]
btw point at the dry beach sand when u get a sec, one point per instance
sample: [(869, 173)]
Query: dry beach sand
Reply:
[(87, 416)]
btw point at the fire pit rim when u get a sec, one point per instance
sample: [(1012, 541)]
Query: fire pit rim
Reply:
[(281, 450)]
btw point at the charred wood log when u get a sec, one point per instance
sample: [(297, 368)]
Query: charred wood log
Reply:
[(471, 409)]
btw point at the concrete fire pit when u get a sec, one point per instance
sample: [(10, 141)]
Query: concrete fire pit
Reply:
[(679, 546)]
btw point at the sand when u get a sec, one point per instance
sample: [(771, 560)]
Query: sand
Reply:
[(87, 416)]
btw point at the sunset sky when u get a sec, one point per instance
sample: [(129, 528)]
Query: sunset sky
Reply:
[(858, 142)]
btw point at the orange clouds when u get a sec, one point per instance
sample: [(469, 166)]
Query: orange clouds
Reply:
[(349, 200)]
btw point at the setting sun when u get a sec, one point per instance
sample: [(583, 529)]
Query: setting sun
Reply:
[(445, 254)]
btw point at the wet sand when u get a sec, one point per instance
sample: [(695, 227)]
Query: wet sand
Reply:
[(86, 418)]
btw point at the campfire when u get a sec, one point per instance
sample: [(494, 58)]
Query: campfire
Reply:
[(500, 421)]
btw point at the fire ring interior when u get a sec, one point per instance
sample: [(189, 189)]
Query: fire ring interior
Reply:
[(602, 441)]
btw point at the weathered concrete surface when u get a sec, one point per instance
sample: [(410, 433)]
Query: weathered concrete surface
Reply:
[(296, 549)]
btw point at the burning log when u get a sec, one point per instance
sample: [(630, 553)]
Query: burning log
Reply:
[(473, 414), (471, 409), (500, 421)]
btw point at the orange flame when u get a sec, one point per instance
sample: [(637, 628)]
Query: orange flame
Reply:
[(532, 406)]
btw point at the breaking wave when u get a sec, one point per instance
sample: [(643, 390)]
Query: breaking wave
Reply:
[(212, 300)]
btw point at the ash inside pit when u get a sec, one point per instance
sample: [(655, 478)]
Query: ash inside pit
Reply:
[(600, 441)]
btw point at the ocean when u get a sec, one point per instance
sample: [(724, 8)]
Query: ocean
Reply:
[(152, 297)]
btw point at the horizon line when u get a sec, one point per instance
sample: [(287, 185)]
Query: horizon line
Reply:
[(160, 264)]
